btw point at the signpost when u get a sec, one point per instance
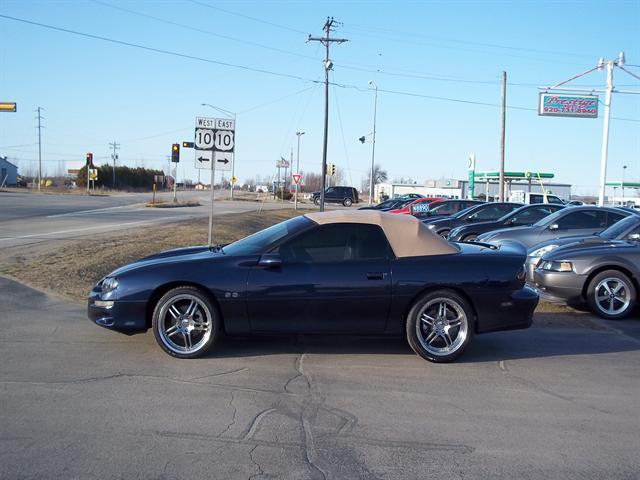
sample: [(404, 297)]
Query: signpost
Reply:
[(296, 177), (471, 179), (568, 105), (214, 145)]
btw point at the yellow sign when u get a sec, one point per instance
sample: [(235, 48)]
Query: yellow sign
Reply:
[(93, 174), (8, 106), (233, 180)]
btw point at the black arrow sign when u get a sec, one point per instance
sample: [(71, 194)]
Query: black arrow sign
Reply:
[(223, 160), (203, 159)]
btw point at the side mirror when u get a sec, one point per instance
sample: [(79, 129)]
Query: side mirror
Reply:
[(270, 260), (553, 226)]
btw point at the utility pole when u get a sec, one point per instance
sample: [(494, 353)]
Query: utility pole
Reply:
[(605, 132), (298, 134), (328, 65), (503, 119), (114, 156), (40, 118), (373, 147)]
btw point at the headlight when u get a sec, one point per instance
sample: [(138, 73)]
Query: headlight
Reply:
[(557, 266), (539, 252), (109, 284)]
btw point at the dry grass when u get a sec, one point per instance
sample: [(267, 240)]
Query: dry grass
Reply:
[(73, 269)]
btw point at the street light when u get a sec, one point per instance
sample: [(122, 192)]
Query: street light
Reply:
[(373, 147), (295, 204), (230, 115)]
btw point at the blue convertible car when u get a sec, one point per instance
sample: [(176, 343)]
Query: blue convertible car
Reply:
[(362, 272)]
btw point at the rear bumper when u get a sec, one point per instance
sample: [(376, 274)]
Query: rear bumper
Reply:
[(512, 313), (121, 316)]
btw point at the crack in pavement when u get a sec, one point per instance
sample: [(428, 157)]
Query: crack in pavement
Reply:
[(235, 412)]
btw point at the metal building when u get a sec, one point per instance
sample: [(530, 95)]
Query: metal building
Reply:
[(8, 173)]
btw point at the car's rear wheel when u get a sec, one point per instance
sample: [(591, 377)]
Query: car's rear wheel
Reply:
[(347, 202), (440, 326), (611, 294), (185, 323), (444, 233), (470, 238)]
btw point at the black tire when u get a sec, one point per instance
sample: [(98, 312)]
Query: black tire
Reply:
[(422, 323), (470, 238), (611, 294), (203, 320), (316, 200), (347, 202), (444, 233)]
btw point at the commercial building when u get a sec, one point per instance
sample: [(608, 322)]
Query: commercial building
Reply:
[(8, 173)]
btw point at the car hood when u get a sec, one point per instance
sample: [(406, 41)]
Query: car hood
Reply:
[(196, 253), (507, 232), (604, 247), (559, 242)]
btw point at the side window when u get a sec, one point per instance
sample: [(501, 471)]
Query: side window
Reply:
[(445, 209), (536, 198), (613, 218), (330, 191), (336, 243), (585, 219), (493, 212)]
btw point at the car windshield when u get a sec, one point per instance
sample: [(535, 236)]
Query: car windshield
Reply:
[(462, 213), (618, 229), (549, 219), (259, 241)]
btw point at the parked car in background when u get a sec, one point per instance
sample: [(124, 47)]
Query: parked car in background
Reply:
[(408, 208), (569, 221), (523, 216), (441, 208), (520, 196), (344, 195), (363, 272), (626, 229), (604, 275), (477, 213), (391, 203)]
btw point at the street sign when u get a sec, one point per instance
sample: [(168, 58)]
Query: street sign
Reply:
[(223, 140), (296, 177), (568, 105), (471, 178), (93, 174), (216, 134), (224, 161), (282, 163), (8, 106), (204, 159), (204, 139), (234, 180)]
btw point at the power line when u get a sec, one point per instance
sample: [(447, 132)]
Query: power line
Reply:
[(154, 49), (200, 30), (259, 20)]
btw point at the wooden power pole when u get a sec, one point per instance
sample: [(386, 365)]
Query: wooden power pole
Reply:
[(503, 118)]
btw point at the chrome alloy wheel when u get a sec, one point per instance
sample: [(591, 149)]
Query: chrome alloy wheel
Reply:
[(612, 296), (442, 326), (185, 324)]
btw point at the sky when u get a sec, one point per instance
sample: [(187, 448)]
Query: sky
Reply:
[(437, 66)]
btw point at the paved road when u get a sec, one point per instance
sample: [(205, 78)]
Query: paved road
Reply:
[(561, 400), (31, 222)]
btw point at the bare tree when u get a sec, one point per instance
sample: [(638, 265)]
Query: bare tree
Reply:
[(379, 176)]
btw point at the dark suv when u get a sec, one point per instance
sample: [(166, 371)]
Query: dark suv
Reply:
[(344, 195)]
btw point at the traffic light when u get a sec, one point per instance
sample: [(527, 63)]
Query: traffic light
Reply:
[(332, 169), (362, 139), (175, 152), (90, 159)]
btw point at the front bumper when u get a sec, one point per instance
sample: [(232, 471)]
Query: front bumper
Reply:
[(559, 287), (121, 316)]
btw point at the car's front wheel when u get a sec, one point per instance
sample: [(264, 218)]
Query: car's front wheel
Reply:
[(347, 202), (470, 238), (316, 200), (611, 294), (185, 322), (444, 233), (440, 326)]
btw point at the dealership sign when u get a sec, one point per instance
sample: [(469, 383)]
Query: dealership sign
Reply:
[(568, 105)]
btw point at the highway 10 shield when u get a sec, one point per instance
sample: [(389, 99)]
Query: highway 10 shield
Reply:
[(214, 135)]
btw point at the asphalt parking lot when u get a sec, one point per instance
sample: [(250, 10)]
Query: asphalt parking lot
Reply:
[(560, 400)]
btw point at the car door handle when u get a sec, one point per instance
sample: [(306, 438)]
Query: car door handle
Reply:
[(376, 275)]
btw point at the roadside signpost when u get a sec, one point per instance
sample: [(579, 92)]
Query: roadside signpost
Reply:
[(214, 142), (471, 179), (296, 177)]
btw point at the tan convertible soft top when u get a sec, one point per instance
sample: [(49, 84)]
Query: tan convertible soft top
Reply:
[(407, 236)]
